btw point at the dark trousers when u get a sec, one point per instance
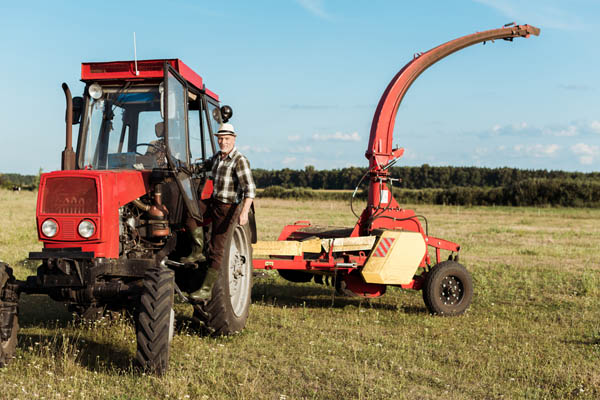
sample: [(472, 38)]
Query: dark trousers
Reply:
[(223, 220)]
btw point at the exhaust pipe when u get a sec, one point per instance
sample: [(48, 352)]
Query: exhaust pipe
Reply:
[(68, 155)]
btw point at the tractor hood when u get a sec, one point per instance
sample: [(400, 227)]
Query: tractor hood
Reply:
[(69, 197)]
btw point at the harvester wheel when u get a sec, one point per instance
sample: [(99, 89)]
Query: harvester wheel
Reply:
[(448, 289), (228, 309), (9, 319), (155, 320)]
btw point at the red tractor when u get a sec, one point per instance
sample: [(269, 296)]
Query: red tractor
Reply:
[(112, 221)]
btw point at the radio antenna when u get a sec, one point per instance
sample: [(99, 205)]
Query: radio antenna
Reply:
[(135, 56)]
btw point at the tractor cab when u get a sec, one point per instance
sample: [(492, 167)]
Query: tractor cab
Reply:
[(147, 115)]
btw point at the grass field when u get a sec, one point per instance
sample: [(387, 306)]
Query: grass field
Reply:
[(533, 330)]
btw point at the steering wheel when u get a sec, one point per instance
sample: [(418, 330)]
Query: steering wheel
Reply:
[(146, 144)]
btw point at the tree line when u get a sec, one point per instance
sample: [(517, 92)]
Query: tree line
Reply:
[(422, 177), (443, 185), (25, 182)]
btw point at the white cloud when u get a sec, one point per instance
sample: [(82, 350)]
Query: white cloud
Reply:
[(301, 149), (293, 138), (344, 137), (289, 160), (586, 153), (254, 149), (569, 131), (481, 151), (516, 128), (519, 126), (595, 126), (537, 150), (315, 7)]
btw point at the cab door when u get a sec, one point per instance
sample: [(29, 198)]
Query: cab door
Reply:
[(175, 106)]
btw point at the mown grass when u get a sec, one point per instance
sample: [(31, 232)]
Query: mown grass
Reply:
[(533, 330)]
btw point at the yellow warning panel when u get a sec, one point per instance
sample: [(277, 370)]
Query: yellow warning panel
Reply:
[(395, 258), (349, 243)]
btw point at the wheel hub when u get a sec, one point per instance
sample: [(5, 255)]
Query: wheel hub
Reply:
[(452, 290)]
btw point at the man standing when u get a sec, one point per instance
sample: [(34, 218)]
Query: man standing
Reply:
[(233, 193)]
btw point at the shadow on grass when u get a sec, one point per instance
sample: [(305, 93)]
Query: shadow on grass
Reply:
[(95, 356), (311, 296), (592, 341), (35, 310)]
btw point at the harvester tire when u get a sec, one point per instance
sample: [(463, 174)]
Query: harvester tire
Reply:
[(227, 310), (155, 320), (448, 289)]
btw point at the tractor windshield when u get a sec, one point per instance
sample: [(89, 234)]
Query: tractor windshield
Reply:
[(124, 129)]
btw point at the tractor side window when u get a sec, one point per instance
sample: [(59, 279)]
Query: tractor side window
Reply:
[(147, 121), (116, 130), (176, 119), (214, 127), (195, 134)]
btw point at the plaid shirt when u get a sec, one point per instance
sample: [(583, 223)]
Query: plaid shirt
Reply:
[(232, 178)]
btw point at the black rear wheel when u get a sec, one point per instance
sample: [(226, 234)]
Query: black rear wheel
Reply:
[(228, 309), (155, 320), (448, 289), (9, 346), (9, 319)]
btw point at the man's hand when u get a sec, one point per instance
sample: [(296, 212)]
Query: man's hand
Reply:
[(243, 220)]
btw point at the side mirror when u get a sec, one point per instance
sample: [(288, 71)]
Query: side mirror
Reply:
[(77, 109)]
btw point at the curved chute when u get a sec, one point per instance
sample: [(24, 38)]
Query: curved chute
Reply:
[(380, 152)]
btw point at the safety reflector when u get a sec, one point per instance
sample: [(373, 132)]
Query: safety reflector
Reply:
[(384, 247)]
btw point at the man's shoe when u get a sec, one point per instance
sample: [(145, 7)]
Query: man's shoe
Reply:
[(196, 256), (204, 294)]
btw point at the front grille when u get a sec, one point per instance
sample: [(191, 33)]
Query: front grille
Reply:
[(70, 195), (67, 231)]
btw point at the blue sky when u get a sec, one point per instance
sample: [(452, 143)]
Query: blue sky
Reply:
[(304, 76)]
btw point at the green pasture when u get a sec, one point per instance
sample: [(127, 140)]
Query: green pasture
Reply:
[(532, 332)]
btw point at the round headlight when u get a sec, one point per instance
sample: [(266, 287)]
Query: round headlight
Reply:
[(95, 91), (86, 228), (49, 228)]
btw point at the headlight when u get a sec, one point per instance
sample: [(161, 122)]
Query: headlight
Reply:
[(49, 228), (86, 228), (95, 91)]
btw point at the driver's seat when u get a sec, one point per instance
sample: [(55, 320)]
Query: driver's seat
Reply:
[(159, 129)]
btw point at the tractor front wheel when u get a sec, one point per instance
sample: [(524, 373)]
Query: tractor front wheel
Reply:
[(155, 320), (448, 289), (227, 311)]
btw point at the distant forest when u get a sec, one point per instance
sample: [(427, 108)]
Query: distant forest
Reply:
[(421, 177), (443, 185), (25, 182), (424, 184)]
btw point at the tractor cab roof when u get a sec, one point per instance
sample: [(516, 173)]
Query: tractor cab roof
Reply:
[(146, 70)]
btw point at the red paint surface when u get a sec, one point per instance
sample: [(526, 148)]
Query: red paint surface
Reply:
[(147, 69), (114, 189)]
